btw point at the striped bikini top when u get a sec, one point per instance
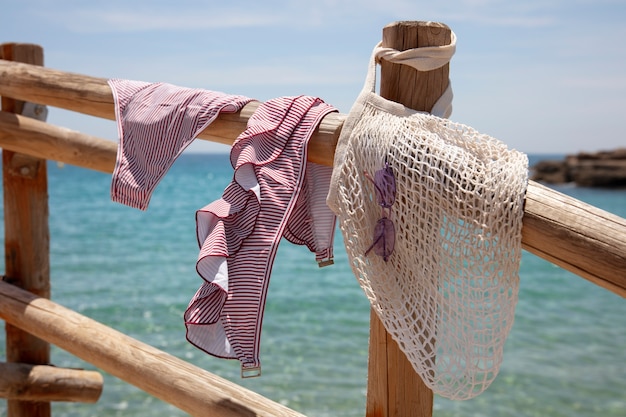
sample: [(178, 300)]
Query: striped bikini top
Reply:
[(274, 193)]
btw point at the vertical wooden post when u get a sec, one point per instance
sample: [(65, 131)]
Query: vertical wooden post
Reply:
[(394, 389), (27, 238)]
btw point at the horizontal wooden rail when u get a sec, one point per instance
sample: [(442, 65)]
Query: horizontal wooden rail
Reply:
[(43, 140), (93, 96), (576, 236), (173, 380), (25, 382)]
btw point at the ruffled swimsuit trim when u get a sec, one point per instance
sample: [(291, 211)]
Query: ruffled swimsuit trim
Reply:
[(274, 193)]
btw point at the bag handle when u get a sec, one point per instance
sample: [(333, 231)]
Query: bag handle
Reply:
[(426, 58)]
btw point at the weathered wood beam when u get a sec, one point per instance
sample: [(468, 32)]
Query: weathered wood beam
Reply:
[(25, 382), (158, 373), (92, 96), (576, 236), (47, 141)]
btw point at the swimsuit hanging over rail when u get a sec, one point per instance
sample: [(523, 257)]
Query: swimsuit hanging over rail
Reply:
[(275, 193)]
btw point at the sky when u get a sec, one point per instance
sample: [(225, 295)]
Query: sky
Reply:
[(542, 76)]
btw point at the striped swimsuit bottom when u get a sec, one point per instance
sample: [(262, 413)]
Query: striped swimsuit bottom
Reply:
[(274, 193)]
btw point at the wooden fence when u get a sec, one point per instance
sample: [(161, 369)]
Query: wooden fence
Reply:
[(576, 236)]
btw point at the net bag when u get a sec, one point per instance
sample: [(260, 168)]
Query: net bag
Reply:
[(431, 215)]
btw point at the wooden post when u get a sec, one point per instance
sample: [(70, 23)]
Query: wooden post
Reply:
[(27, 238), (394, 389)]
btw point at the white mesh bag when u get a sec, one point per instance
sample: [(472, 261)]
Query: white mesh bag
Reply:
[(447, 292)]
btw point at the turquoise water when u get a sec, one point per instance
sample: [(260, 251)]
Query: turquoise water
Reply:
[(135, 271)]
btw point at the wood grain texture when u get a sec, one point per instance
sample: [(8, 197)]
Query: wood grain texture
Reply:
[(576, 236), (80, 93), (158, 373), (26, 382), (47, 141), (377, 402), (26, 236), (417, 90)]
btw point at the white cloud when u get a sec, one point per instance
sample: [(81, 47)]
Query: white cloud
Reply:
[(611, 83), (95, 20), (528, 13), (138, 16)]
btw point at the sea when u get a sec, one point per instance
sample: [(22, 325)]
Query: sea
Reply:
[(135, 272)]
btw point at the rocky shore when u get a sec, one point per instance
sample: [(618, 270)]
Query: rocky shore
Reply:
[(598, 169)]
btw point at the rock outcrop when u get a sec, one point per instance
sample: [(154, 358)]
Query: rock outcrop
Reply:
[(599, 169)]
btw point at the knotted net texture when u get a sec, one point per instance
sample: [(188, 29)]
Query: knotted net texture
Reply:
[(447, 293)]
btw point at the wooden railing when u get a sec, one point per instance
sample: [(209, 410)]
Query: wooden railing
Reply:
[(576, 236)]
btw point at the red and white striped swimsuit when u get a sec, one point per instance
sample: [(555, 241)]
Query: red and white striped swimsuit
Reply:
[(155, 123), (274, 193)]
